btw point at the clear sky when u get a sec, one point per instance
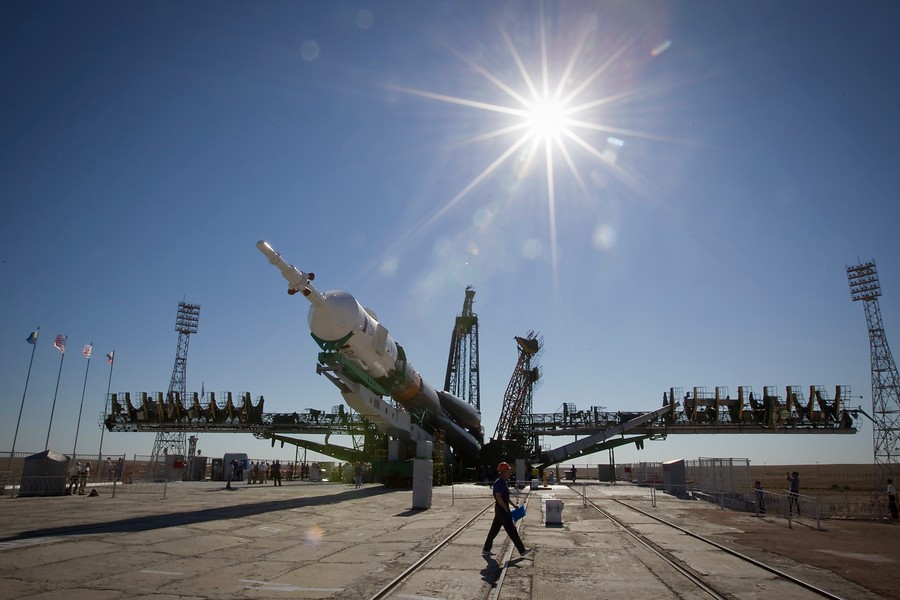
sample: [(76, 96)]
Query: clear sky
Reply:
[(685, 220)]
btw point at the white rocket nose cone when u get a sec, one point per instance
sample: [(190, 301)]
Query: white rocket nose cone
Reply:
[(336, 318)]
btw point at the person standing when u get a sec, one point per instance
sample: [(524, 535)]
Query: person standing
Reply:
[(357, 475), (276, 473), (794, 491), (892, 499), (760, 497), (83, 476), (74, 474), (502, 515), (231, 473)]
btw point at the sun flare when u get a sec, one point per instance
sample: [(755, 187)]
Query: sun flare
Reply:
[(555, 114), (547, 118)]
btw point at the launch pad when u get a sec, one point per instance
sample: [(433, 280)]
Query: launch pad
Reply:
[(393, 411)]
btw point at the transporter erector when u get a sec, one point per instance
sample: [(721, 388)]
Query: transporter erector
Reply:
[(373, 365)]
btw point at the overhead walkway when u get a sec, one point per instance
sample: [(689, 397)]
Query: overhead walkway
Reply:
[(166, 412), (699, 411)]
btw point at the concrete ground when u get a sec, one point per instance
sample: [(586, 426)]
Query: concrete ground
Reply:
[(305, 540)]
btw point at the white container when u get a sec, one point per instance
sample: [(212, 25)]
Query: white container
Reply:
[(423, 474), (552, 509)]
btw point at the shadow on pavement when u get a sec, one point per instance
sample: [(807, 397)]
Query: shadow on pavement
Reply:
[(148, 522)]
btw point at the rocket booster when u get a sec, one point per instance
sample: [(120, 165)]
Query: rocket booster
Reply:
[(338, 321)]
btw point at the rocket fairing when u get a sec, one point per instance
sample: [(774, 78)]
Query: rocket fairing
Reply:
[(337, 321)]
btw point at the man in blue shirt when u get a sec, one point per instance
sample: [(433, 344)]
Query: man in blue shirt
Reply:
[(794, 491), (502, 516)]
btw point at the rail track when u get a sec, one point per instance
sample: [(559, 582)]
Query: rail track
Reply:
[(728, 560), (491, 588), (669, 551)]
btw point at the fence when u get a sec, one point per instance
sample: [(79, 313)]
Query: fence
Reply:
[(108, 474), (725, 482)]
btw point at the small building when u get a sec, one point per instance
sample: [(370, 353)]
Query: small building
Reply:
[(674, 477), (44, 474)]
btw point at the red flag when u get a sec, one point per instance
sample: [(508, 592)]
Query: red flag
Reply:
[(111, 356), (60, 343), (87, 350)]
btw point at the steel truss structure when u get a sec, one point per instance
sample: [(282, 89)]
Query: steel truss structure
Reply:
[(175, 442), (463, 378), (865, 288)]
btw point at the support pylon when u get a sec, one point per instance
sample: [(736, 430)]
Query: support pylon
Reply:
[(175, 442), (865, 287)]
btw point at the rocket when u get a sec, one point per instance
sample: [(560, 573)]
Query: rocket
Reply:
[(337, 322)]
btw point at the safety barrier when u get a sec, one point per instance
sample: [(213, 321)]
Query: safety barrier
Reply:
[(42, 485), (159, 488)]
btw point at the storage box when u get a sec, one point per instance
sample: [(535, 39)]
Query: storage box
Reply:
[(552, 508)]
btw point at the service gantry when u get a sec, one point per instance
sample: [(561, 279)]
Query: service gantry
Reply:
[(514, 426), (463, 379)]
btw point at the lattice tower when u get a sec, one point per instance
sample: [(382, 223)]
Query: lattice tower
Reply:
[(175, 442), (463, 379), (864, 286), (517, 401)]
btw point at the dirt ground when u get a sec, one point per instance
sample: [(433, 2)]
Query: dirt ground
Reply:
[(867, 553)]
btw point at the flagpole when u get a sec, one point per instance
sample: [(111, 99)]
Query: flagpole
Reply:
[(112, 359), (83, 388), (12, 452), (53, 408)]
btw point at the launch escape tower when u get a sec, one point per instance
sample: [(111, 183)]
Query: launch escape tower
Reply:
[(864, 286), (174, 442), (463, 379), (514, 424)]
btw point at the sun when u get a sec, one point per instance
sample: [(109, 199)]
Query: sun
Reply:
[(546, 119), (553, 114)]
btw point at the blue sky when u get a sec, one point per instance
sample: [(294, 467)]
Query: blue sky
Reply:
[(725, 162)]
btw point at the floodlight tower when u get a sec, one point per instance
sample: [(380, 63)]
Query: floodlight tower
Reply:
[(175, 442), (463, 379), (864, 286)]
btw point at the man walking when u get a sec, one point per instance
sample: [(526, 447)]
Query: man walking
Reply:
[(502, 516)]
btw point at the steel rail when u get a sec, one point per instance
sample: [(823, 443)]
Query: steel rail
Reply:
[(735, 553), (506, 556), (777, 572), (662, 554), (383, 592)]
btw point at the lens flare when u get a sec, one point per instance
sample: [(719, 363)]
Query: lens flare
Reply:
[(557, 89)]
